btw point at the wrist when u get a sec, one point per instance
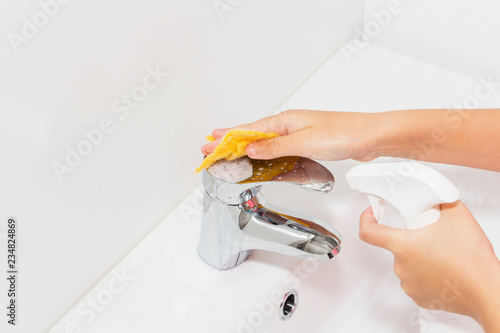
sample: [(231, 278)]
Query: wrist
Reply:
[(392, 135), (411, 134)]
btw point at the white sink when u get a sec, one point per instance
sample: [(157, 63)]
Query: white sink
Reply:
[(163, 286)]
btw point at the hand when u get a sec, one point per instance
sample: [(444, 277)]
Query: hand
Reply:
[(318, 135), (449, 265), (460, 137)]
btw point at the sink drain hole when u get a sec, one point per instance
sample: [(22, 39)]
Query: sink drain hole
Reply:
[(288, 304)]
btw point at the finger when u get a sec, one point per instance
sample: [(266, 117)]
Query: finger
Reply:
[(220, 132), (210, 147), (269, 124), (288, 145), (377, 234), (276, 123), (456, 214), (457, 208), (279, 124)]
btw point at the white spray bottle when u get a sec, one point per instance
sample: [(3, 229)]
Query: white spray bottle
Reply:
[(412, 188)]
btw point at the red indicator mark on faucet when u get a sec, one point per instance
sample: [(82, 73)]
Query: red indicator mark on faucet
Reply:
[(250, 203)]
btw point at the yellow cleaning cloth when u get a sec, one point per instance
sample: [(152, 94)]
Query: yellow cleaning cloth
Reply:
[(233, 145)]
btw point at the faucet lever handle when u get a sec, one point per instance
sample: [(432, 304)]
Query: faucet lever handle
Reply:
[(295, 170), (299, 171)]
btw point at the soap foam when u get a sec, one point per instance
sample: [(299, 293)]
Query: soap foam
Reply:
[(233, 171)]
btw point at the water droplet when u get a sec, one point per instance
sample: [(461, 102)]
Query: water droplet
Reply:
[(261, 168), (259, 173), (280, 178)]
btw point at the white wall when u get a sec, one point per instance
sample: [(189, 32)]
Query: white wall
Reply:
[(72, 74), (461, 35)]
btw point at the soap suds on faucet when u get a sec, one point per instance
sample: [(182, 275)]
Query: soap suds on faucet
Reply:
[(233, 171)]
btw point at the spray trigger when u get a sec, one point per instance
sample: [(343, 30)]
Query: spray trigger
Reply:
[(378, 206)]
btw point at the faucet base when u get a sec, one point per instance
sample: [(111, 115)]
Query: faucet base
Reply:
[(221, 264)]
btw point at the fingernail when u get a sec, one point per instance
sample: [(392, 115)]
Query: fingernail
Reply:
[(251, 150)]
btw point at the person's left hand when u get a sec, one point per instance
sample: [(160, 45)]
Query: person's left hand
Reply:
[(449, 265)]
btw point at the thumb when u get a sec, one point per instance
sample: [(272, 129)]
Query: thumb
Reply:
[(377, 234), (266, 149)]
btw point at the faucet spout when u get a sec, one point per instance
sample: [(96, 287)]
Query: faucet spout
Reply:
[(295, 234)]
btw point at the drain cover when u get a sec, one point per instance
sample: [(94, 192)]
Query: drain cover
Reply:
[(288, 304)]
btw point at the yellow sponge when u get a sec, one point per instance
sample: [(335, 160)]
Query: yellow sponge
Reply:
[(233, 145)]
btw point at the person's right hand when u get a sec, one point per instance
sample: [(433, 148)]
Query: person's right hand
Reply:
[(321, 135)]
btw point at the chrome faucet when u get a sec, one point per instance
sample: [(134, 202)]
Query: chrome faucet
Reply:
[(237, 219)]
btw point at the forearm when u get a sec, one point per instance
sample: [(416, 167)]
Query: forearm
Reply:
[(461, 137)]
